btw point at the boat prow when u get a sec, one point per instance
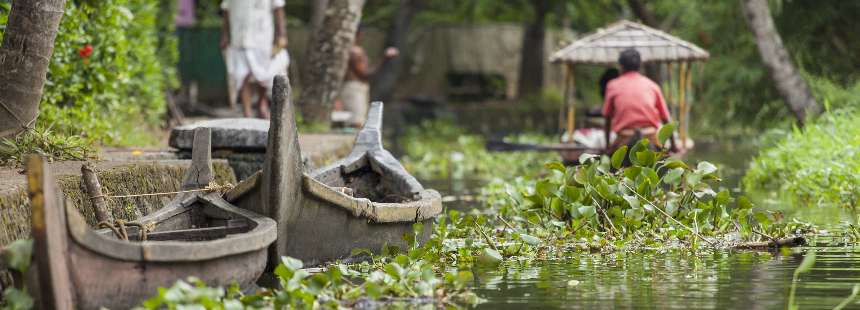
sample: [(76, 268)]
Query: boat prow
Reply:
[(366, 200)]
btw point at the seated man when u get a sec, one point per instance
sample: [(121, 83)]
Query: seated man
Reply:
[(633, 106)]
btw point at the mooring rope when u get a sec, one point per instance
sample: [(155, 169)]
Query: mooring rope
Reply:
[(208, 188), (118, 227)]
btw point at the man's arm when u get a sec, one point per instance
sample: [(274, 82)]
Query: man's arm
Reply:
[(225, 30), (280, 28)]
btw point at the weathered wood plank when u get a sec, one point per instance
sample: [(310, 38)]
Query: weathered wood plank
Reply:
[(281, 186), (94, 193), (200, 174), (50, 237)]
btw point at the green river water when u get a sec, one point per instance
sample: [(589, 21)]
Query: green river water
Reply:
[(678, 279)]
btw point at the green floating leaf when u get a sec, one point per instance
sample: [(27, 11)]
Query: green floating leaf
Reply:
[(586, 157), (618, 157), (632, 201), (18, 254), (530, 240), (17, 299), (646, 157), (373, 290), (673, 177), (572, 194), (291, 263), (587, 211), (490, 257), (744, 203), (545, 188), (665, 132), (706, 168), (555, 166)]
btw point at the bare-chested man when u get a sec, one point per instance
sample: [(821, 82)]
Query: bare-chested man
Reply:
[(355, 93)]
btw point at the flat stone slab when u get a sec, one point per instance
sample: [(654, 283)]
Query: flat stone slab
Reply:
[(227, 133)]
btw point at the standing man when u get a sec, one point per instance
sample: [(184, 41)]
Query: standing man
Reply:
[(634, 107), (355, 93), (254, 39)]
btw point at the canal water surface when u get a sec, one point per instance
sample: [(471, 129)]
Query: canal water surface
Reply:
[(676, 279)]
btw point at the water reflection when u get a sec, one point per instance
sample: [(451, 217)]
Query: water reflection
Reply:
[(674, 280)]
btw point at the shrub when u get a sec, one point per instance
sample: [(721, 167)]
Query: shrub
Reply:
[(112, 61), (820, 164)]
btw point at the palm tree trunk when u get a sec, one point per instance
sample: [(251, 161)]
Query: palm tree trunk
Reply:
[(327, 55), (24, 56), (532, 52), (791, 86)]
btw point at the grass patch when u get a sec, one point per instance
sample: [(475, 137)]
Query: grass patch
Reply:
[(44, 142), (819, 164)]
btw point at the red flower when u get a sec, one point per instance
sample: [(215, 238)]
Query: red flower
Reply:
[(85, 51)]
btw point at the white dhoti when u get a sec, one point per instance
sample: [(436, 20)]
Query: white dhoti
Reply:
[(355, 96), (258, 63)]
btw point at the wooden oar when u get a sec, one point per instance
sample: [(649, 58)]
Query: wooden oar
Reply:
[(502, 146)]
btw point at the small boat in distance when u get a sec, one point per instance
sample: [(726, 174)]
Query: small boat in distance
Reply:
[(366, 200), (196, 234)]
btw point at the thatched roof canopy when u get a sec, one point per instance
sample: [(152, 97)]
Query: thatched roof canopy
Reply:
[(604, 46)]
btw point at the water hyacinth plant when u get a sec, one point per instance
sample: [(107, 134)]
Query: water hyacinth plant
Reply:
[(656, 201)]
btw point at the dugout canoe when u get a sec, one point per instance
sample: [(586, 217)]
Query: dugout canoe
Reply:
[(366, 200), (196, 234)]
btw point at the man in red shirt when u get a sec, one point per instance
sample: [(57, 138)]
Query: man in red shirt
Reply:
[(634, 107)]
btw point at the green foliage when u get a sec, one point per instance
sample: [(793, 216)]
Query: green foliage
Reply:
[(655, 200), (16, 257), (439, 149), (44, 142), (818, 165), (400, 278), (112, 95)]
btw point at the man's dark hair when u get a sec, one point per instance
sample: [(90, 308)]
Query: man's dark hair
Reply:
[(630, 60)]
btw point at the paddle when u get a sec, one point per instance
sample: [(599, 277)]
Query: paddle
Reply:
[(502, 146)]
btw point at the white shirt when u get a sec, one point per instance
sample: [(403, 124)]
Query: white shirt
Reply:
[(251, 22)]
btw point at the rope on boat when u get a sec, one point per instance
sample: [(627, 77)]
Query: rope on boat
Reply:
[(118, 227), (209, 188)]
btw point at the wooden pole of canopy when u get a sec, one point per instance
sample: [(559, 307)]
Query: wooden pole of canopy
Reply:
[(562, 111), (669, 89), (690, 94), (682, 104), (572, 102), (568, 104)]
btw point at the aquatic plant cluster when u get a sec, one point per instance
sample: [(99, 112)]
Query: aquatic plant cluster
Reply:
[(816, 166), (401, 279), (656, 203)]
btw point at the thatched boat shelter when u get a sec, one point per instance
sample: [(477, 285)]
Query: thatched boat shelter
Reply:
[(603, 47)]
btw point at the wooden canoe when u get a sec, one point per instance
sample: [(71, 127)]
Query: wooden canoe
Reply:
[(196, 234), (366, 200)]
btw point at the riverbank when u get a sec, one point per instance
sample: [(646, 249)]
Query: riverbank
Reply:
[(133, 171)]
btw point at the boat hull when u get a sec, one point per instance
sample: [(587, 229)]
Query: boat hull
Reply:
[(331, 233), (117, 284)]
